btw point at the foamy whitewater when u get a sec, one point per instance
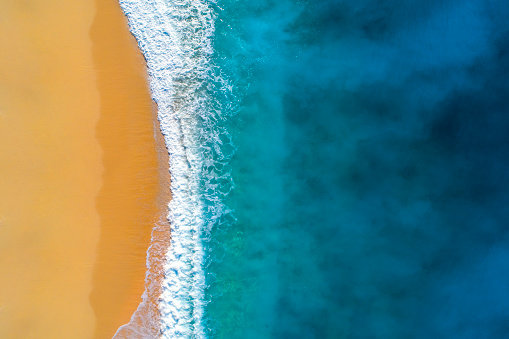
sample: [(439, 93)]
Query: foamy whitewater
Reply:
[(176, 40)]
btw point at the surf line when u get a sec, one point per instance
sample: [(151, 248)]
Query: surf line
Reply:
[(176, 39)]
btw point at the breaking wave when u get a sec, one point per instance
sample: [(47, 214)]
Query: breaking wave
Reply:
[(176, 38)]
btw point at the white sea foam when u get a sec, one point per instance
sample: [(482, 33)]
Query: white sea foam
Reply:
[(175, 37)]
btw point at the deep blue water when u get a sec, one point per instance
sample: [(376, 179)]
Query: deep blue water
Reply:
[(371, 171)]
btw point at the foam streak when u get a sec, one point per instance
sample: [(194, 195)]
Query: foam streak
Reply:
[(176, 39)]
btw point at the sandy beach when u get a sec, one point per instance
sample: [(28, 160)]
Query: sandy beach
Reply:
[(80, 170), (133, 197)]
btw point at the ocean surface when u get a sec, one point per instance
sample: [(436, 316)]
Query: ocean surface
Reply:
[(339, 168)]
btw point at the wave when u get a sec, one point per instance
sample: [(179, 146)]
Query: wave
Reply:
[(176, 38)]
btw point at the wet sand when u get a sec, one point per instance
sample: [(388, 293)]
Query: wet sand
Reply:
[(79, 172), (136, 187)]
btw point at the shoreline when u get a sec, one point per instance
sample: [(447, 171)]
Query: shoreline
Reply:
[(177, 42), (133, 137)]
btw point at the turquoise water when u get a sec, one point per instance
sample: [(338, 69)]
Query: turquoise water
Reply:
[(370, 173), (338, 167)]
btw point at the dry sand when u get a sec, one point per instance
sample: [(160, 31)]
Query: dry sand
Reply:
[(79, 173)]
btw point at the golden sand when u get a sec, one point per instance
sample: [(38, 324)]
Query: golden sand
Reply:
[(131, 200), (79, 178)]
